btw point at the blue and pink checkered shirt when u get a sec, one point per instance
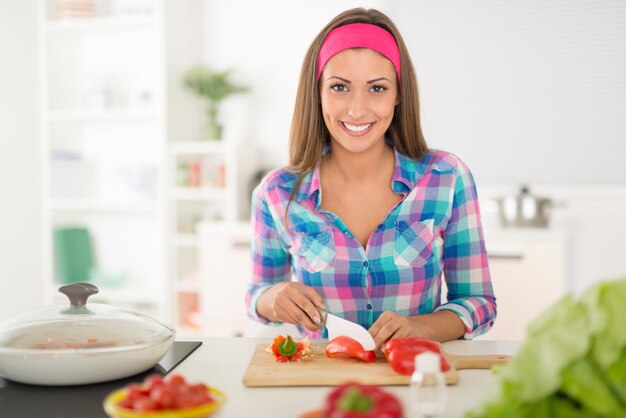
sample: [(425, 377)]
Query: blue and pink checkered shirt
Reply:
[(433, 233)]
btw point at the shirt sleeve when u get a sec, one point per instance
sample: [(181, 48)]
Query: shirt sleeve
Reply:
[(270, 261), (466, 269)]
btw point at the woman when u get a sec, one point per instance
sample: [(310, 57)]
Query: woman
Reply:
[(366, 219)]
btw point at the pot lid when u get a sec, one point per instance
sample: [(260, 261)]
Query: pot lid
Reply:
[(79, 327)]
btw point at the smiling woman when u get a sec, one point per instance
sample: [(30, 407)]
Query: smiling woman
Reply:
[(360, 107), (366, 217)]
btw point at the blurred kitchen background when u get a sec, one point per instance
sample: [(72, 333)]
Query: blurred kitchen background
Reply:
[(108, 171)]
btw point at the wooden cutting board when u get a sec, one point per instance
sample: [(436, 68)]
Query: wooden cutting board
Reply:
[(320, 370)]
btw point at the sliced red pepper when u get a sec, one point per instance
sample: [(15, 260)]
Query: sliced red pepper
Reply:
[(402, 357), (416, 341), (354, 400), (343, 346)]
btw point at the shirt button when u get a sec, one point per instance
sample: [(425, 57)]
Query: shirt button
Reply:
[(369, 306), (365, 264)]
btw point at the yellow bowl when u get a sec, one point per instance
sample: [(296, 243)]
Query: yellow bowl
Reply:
[(113, 410)]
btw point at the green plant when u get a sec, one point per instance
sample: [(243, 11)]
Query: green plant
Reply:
[(214, 86)]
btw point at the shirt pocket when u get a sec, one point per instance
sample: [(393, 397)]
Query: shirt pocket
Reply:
[(315, 249), (413, 243)]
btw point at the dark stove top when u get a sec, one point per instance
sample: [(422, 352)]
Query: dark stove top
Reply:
[(19, 400)]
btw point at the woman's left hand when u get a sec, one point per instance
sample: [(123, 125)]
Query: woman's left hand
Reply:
[(439, 326), (391, 325)]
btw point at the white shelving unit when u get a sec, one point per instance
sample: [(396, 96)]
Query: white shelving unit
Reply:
[(204, 188), (124, 156), (104, 133)]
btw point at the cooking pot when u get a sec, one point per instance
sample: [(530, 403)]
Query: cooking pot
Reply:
[(524, 210), (79, 343)]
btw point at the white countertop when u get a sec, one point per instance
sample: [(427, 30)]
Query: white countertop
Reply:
[(222, 362)]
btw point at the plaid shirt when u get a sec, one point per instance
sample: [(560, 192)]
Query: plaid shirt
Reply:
[(434, 230)]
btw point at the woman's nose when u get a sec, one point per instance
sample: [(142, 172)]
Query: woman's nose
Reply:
[(358, 107)]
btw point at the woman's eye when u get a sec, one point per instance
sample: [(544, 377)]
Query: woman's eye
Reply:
[(378, 88), (339, 87)]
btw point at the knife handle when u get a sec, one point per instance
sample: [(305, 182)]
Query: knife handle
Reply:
[(323, 315)]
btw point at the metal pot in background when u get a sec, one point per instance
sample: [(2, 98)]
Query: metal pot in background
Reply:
[(524, 210)]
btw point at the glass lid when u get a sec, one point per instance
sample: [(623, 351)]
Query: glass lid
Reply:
[(80, 326)]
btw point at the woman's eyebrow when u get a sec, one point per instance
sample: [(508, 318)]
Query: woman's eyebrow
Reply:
[(378, 79), (340, 78), (350, 82)]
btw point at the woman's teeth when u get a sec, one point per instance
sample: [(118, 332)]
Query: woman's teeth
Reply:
[(356, 128)]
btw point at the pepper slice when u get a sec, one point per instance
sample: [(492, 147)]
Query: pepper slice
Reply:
[(416, 341), (354, 400), (344, 346), (401, 352)]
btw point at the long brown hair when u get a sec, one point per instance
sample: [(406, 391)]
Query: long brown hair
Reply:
[(309, 135)]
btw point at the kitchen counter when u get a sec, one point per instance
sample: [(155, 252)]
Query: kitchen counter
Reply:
[(222, 362)]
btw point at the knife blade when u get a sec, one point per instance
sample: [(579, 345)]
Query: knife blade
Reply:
[(337, 326)]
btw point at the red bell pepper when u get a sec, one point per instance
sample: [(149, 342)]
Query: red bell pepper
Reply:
[(401, 352), (343, 346), (417, 341), (353, 400)]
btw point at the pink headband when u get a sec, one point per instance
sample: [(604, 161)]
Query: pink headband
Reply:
[(358, 35)]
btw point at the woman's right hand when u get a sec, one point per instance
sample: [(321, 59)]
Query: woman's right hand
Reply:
[(293, 303)]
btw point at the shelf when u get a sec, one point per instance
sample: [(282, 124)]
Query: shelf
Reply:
[(110, 168), (199, 193), (98, 23), (196, 147), (78, 205), (186, 286), (186, 240), (99, 115)]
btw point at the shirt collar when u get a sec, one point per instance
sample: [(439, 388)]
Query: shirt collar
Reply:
[(406, 173), (310, 184), (405, 176)]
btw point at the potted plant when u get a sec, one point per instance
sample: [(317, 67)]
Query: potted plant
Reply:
[(214, 86)]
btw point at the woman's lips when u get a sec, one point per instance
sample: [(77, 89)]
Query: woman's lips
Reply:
[(356, 129)]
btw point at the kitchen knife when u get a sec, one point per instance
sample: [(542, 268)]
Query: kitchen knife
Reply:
[(338, 326)]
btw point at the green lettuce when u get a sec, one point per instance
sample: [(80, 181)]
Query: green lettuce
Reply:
[(572, 364)]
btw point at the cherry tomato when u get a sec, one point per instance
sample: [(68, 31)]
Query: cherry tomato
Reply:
[(144, 405), (152, 381), (135, 391), (177, 379), (157, 394)]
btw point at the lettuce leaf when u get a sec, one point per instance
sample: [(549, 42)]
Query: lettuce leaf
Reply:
[(587, 384), (606, 312), (555, 339), (573, 362), (616, 374)]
